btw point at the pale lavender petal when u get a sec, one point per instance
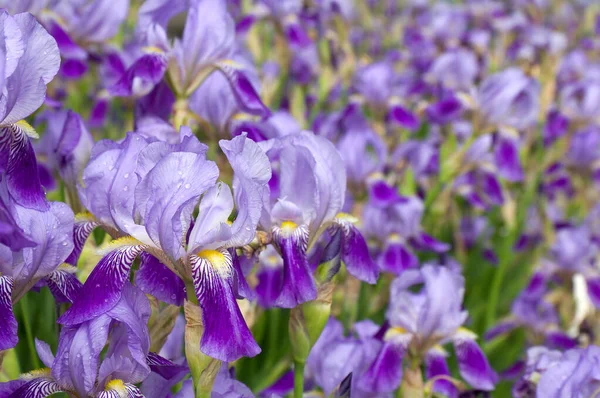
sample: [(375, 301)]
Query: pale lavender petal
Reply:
[(44, 352)]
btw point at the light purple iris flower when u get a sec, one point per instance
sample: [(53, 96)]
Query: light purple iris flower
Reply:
[(148, 189), (421, 320), (307, 193), (207, 45), (66, 145), (335, 356), (454, 70), (395, 222), (30, 60), (510, 98), (80, 369), (551, 374)]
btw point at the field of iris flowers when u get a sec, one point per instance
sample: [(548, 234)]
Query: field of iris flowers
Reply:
[(299, 198)]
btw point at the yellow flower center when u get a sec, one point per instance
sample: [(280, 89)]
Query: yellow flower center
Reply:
[(288, 226), (116, 385), (218, 261)]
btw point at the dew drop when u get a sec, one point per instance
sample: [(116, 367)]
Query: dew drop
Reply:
[(126, 175), (106, 300), (111, 167), (187, 186), (97, 285), (125, 188), (173, 297)]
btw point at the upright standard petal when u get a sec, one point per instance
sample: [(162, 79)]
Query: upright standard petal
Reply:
[(226, 336), (252, 172)]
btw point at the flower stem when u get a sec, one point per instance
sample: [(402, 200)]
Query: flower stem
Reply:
[(298, 379), (28, 331)]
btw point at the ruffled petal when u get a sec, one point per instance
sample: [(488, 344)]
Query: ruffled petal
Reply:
[(158, 280), (170, 192), (472, 363), (8, 328), (226, 336), (102, 289), (252, 172), (298, 284)]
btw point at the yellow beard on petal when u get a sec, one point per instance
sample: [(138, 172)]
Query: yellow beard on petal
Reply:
[(116, 385), (218, 261)]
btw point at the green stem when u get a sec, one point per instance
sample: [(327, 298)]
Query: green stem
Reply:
[(28, 331), (298, 379)]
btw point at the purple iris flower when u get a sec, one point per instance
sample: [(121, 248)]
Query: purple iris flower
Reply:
[(79, 368), (573, 373), (395, 222), (454, 70), (148, 189), (363, 151), (66, 145), (307, 195), (510, 98), (335, 356), (30, 61), (581, 100), (375, 82), (420, 320)]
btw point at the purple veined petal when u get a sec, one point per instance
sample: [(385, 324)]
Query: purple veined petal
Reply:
[(396, 258), (270, 277), (8, 327), (593, 287), (82, 228), (44, 352), (40, 387), (240, 285), (158, 280), (355, 253), (251, 174), (102, 289), (472, 363), (64, 285), (298, 285), (226, 336), (506, 154), (37, 67), (428, 242), (403, 117), (560, 341), (435, 365), (501, 328), (22, 176), (248, 99), (133, 391), (141, 77), (164, 367), (385, 373)]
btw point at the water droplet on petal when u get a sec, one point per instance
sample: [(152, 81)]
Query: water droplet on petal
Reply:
[(125, 188), (187, 186), (173, 297), (126, 175)]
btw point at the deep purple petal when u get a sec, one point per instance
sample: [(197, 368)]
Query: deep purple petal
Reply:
[(428, 242), (404, 117), (435, 365), (8, 326), (226, 336), (560, 341), (64, 285), (164, 367), (240, 285), (508, 163), (102, 289), (396, 258), (385, 373), (141, 77), (158, 280), (298, 284), (593, 285), (355, 254), (472, 363), (248, 99), (37, 388), (500, 329), (82, 228)]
